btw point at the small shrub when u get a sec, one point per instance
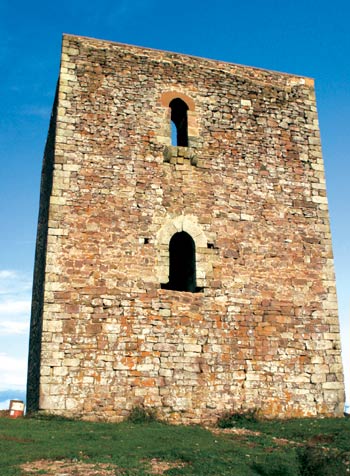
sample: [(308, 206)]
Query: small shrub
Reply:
[(320, 462), (46, 416), (230, 420), (275, 468), (142, 415)]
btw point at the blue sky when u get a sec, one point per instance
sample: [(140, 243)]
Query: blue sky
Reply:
[(304, 37)]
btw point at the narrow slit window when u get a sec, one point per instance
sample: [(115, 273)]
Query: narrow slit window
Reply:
[(179, 125)]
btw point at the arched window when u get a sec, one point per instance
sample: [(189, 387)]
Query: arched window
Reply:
[(182, 263), (179, 119)]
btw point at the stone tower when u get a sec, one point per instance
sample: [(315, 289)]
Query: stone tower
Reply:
[(184, 257)]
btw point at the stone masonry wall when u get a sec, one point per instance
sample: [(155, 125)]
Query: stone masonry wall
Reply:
[(250, 190)]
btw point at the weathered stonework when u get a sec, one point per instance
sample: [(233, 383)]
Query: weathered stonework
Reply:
[(262, 332)]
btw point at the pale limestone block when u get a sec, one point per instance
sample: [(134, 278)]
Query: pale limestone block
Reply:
[(111, 328), (71, 362), (319, 199), (67, 77), (73, 404), (178, 223), (60, 371), (331, 396), (58, 200), (192, 348), (333, 385), (165, 312), (49, 402), (144, 367), (318, 378), (164, 347), (190, 340), (52, 326)]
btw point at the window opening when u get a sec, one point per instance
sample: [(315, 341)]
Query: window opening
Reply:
[(179, 125), (182, 263)]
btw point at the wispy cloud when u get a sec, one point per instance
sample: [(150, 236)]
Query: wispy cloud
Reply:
[(13, 371), (43, 112), (7, 274), (14, 283), (15, 297), (15, 291), (14, 307), (14, 327)]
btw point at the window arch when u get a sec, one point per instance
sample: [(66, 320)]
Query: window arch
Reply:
[(182, 263), (204, 258), (179, 122)]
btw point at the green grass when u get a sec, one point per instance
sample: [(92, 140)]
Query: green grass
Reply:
[(315, 447)]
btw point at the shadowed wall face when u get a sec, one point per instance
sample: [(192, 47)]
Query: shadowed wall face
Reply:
[(36, 324)]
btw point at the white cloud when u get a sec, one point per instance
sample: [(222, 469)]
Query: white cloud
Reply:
[(13, 371), (7, 274), (14, 283), (14, 307), (13, 327), (15, 294)]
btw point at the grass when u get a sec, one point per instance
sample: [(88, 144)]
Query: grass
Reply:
[(313, 447)]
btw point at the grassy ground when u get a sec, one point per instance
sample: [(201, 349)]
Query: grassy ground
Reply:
[(306, 447)]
